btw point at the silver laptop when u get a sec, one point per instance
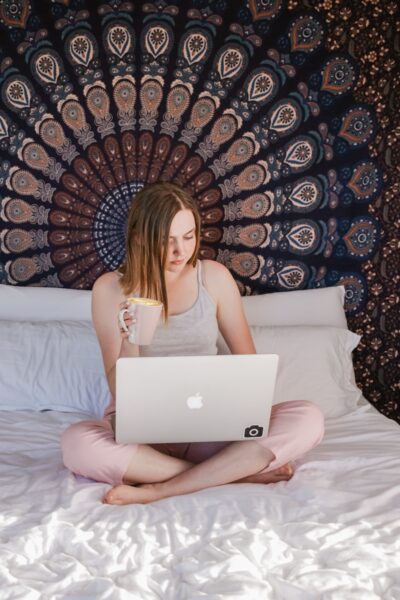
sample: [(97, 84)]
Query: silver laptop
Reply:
[(194, 398)]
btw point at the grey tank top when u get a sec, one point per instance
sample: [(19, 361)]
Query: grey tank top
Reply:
[(193, 332)]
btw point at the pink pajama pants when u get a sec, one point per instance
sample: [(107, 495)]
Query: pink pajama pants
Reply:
[(89, 448)]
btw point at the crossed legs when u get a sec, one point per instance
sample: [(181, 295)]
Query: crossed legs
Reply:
[(141, 473), (233, 463)]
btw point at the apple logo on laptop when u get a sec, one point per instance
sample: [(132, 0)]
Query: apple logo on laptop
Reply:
[(195, 401)]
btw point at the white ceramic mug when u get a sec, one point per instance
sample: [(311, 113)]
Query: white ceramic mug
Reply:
[(147, 313)]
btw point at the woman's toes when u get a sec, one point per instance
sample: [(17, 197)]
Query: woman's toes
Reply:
[(113, 496), (284, 471)]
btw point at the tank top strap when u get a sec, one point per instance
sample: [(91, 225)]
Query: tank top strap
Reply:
[(202, 282), (200, 274)]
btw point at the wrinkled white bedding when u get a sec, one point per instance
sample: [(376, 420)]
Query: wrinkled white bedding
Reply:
[(332, 532)]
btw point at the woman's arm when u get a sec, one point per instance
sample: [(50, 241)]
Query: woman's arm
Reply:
[(106, 303), (232, 321)]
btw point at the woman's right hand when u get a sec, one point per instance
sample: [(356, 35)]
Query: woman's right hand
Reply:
[(128, 319)]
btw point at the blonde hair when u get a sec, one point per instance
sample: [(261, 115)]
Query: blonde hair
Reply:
[(147, 238)]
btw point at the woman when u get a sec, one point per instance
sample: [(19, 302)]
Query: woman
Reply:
[(200, 298)]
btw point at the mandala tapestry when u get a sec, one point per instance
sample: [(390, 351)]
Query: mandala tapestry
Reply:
[(281, 117)]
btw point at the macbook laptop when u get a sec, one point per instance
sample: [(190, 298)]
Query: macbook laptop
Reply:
[(194, 398)]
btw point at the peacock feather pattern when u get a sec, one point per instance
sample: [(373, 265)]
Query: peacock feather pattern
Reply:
[(239, 102)]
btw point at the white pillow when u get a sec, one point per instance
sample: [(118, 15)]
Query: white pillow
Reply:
[(44, 304), (315, 363), (300, 307), (52, 365), (58, 366)]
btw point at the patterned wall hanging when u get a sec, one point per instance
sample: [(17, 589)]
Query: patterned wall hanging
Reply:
[(243, 103)]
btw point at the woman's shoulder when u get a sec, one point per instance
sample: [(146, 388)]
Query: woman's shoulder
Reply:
[(109, 284), (214, 269), (217, 278)]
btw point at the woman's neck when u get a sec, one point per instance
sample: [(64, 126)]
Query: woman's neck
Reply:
[(173, 278)]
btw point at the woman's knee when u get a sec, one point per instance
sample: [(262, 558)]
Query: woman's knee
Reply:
[(303, 418), (76, 444), (313, 420)]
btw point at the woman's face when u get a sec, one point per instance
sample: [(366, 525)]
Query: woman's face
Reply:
[(182, 240)]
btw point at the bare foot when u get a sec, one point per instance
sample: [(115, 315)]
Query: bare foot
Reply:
[(128, 494), (148, 492), (283, 473)]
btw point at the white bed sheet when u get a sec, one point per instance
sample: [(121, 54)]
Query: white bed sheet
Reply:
[(332, 532)]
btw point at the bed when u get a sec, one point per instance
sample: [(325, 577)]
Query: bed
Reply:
[(331, 532)]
